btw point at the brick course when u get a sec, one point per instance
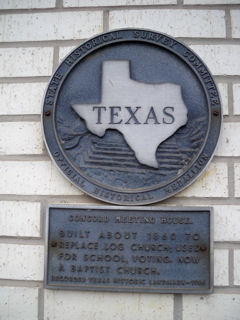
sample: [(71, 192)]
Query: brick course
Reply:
[(21, 262), (24, 98), (61, 26), (223, 306), (21, 138), (26, 62), (140, 306), (178, 23), (19, 219), (21, 301)]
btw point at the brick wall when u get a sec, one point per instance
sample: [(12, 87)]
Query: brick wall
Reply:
[(34, 36)]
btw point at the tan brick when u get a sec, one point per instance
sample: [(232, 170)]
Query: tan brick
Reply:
[(226, 223), (21, 262), (236, 255), (178, 23), (61, 305), (25, 62), (223, 89), (64, 51), (18, 303), (221, 267), (221, 59), (235, 17), (210, 2), (19, 218), (109, 3), (212, 183), (236, 98), (27, 4), (213, 306), (34, 178), (60, 26), (21, 98), (20, 138), (228, 144), (237, 179)]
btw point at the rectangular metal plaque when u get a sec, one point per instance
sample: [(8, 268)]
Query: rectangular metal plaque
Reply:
[(134, 249)]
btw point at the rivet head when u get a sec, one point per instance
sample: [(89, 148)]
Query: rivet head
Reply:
[(215, 113), (203, 248), (47, 113), (53, 244)]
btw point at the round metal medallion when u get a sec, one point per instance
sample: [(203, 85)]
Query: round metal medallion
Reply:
[(131, 116)]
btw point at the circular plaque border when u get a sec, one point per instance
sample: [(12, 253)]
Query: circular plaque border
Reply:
[(105, 193)]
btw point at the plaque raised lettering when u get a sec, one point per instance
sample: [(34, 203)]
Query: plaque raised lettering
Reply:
[(132, 249)]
